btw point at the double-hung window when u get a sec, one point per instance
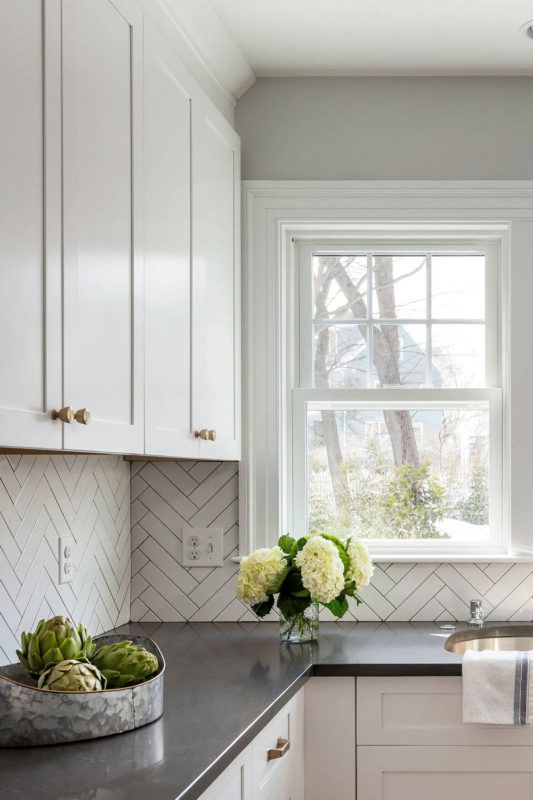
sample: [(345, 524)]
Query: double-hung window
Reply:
[(397, 399)]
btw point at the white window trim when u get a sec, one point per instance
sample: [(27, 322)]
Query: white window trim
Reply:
[(276, 213)]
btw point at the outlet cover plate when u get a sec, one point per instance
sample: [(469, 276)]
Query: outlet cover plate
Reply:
[(66, 546), (203, 547)]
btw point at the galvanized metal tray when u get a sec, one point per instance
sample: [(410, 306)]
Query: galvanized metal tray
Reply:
[(30, 716)]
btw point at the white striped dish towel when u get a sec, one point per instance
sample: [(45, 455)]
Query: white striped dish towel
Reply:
[(496, 687)]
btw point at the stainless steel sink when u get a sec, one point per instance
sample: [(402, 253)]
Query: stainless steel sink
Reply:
[(503, 637)]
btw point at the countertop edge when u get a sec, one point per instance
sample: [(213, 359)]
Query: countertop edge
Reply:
[(385, 670), (214, 770)]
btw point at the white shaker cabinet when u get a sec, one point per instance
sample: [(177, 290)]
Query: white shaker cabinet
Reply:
[(167, 214), (412, 742), (102, 223), (216, 283), (70, 249), (119, 233), (272, 766), (234, 783), (191, 211), (30, 240), (330, 738), (440, 773)]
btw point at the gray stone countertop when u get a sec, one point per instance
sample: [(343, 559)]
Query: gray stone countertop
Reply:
[(223, 683)]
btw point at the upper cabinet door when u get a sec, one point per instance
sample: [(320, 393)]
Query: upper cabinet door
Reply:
[(216, 285), (30, 241), (102, 223), (167, 243)]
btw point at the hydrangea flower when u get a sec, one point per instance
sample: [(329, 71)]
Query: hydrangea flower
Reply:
[(361, 568), (321, 568), (258, 573)]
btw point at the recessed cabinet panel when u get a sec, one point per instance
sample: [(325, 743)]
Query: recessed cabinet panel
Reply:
[(234, 783), (330, 708), (440, 773), (292, 785), (102, 224), (30, 322), (215, 343), (167, 241), (424, 710)]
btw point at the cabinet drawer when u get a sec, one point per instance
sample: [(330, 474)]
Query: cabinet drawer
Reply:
[(286, 725), (441, 773), (425, 711)]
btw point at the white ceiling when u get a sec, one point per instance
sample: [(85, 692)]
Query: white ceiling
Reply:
[(240, 39), (321, 37)]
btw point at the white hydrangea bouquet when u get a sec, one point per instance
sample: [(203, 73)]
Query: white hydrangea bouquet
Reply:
[(304, 574)]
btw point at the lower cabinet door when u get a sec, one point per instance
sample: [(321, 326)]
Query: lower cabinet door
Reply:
[(441, 773), (234, 783), (292, 786), (255, 776)]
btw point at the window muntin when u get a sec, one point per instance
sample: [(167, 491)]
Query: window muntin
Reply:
[(433, 336), (376, 315)]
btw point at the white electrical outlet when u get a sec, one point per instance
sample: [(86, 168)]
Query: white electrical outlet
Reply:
[(203, 547), (66, 559)]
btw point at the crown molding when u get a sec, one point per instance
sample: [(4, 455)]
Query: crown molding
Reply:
[(209, 43)]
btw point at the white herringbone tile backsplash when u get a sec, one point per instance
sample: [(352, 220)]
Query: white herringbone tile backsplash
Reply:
[(45, 497), (166, 497), (169, 496)]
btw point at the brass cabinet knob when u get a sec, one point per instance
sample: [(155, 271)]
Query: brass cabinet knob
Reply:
[(83, 416), (206, 435), (65, 414)]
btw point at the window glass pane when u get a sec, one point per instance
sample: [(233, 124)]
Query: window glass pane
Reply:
[(399, 473), (458, 287), (399, 355), (399, 287), (458, 356), (340, 356), (340, 287)]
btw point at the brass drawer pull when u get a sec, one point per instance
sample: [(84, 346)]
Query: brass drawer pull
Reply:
[(279, 751), (65, 414)]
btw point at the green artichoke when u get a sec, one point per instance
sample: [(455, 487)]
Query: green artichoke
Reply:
[(72, 675), (124, 663), (54, 640)]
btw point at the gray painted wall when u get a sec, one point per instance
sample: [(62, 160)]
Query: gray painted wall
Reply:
[(387, 128)]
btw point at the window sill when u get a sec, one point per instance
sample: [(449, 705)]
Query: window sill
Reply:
[(442, 558), (452, 558)]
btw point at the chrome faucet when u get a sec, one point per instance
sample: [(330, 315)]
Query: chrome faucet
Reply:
[(476, 614)]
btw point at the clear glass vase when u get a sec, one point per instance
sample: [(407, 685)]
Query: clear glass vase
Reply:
[(301, 627)]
